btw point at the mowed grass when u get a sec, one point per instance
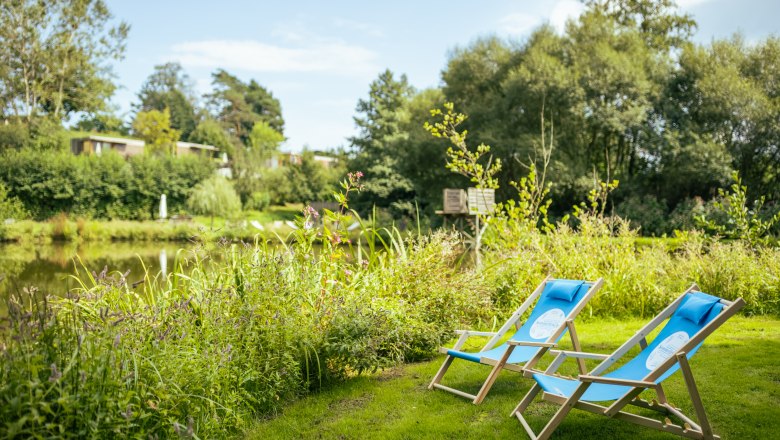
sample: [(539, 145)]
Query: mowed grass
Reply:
[(736, 371)]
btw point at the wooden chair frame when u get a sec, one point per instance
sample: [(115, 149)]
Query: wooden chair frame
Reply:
[(514, 320), (689, 428)]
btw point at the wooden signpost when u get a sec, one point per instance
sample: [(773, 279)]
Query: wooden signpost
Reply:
[(459, 204)]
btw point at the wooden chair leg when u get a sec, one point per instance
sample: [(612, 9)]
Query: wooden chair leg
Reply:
[(493, 376), (701, 414), (562, 412), (575, 342), (440, 374), (520, 408)]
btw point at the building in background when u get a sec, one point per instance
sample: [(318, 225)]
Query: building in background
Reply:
[(126, 147), (96, 144)]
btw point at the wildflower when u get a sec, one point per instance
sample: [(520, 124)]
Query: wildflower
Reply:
[(308, 211), (55, 373), (117, 340), (127, 414), (347, 272)]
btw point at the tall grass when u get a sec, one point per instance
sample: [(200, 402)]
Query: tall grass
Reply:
[(640, 280), (203, 352), (207, 352)]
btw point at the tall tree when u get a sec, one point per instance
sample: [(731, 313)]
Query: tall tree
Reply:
[(239, 106), (54, 56), (170, 87), (378, 143), (154, 127)]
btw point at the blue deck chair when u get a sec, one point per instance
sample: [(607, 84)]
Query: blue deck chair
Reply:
[(559, 302), (692, 317)]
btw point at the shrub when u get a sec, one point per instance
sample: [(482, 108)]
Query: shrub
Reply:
[(207, 353), (259, 200), (214, 196), (107, 186)]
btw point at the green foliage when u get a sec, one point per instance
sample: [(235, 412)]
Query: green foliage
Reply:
[(11, 207), (398, 404), (170, 88), (54, 57), (238, 106), (13, 135), (106, 186), (210, 352), (743, 220), (462, 160), (214, 196), (209, 132), (647, 213), (154, 127), (102, 122), (379, 144), (264, 141), (311, 181), (258, 201)]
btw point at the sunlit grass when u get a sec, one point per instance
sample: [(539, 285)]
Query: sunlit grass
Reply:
[(735, 371)]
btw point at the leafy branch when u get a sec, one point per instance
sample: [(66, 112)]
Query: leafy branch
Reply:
[(461, 159)]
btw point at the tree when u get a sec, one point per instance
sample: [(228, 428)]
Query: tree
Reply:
[(378, 144), (53, 56), (311, 180), (658, 21), (209, 132), (102, 122), (214, 196), (239, 106), (154, 127), (729, 93), (249, 161), (170, 87)]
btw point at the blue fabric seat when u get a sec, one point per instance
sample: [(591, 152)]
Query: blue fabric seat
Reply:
[(549, 306), (688, 321), (556, 302), (696, 311)]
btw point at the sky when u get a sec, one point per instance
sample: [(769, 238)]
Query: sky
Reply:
[(319, 57)]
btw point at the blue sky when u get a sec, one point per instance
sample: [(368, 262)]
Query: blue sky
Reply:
[(318, 57)]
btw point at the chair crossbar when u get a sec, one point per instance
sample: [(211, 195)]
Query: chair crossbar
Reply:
[(689, 428)]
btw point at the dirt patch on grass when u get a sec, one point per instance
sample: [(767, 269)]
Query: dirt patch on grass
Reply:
[(350, 404)]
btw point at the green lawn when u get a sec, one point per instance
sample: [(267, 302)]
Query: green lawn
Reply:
[(266, 217), (736, 371)]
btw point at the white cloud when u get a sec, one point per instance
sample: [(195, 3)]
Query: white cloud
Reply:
[(255, 56), (519, 23), (563, 11)]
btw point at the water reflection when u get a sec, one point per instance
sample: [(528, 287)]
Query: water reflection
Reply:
[(51, 267)]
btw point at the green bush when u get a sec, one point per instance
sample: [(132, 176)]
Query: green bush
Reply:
[(106, 187), (209, 352), (639, 280), (258, 201)]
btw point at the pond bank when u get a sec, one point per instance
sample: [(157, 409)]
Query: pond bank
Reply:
[(65, 230)]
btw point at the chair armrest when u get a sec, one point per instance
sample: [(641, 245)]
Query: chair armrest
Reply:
[(464, 334), (581, 354), (615, 381), (474, 333), (531, 344)]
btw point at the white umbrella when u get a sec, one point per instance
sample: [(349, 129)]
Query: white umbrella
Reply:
[(163, 208)]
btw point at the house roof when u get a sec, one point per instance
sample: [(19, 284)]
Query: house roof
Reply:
[(140, 143), (113, 140), (181, 144)]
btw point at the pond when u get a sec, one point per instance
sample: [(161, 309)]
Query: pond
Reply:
[(50, 267)]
